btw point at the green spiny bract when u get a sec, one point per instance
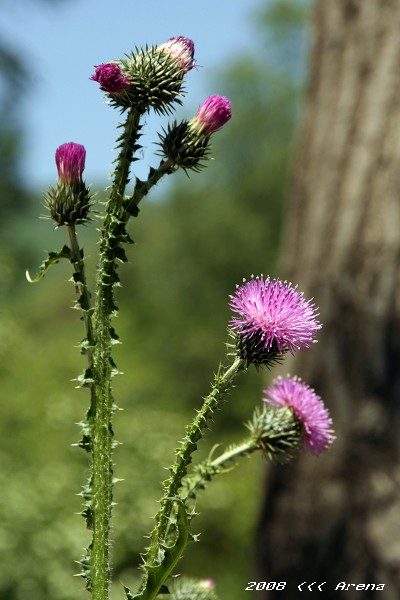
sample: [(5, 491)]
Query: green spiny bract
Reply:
[(155, 81), (186, 148), (276, 431), (190, 589), (252, 352), (69, 204)]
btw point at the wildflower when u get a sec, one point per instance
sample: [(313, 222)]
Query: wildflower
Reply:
[(154, 76), (181, 49), (307, 407), (211, 115), (111, 78), (186, 144), (273, 316), (69, 202), (70, 161)]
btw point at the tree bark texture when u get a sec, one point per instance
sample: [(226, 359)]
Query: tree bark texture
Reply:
[(337, 518)]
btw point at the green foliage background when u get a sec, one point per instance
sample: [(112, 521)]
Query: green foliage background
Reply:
[(191, 250)]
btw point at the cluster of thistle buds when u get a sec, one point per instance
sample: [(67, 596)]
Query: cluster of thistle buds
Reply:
[(150, 78)]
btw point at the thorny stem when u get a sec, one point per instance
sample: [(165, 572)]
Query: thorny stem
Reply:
[(102, 367), (121, 174), (102, 407), (98, 433), (142, 188), (83, 291), (208, 468), (222, 383)]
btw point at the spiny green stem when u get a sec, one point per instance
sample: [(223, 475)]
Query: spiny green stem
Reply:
[(98, 433), (102, 408), (244, 449), (142, 188), (87, 346), (127, 147), (223, 382), (102, 472), (208, 468), (84, 299), (114, 234)]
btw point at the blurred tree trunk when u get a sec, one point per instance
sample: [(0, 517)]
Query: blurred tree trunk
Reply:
[(337, 518)]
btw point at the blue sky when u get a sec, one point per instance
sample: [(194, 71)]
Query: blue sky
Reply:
[(62, 42)]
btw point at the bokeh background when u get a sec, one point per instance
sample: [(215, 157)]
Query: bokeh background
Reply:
[(303, 184)]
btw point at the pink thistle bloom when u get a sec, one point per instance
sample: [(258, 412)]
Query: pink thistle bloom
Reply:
[(308, 408), (111, 78), (273, 315), (70, 161), (211, 115), (181, 49)]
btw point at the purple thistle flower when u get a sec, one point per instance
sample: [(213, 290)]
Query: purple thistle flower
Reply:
[(111, 78), (273, 315), (70, 161), (181, 49), (211, 115), (308, 408)]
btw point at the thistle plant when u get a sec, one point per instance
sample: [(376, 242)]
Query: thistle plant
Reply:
[(270, 318)]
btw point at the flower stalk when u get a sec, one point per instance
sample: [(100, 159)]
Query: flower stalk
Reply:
[(223, 382), (102, 408), (84, 298), (142, 188), (273, 431)]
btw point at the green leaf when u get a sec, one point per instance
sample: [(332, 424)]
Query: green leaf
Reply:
[(169, 556), (52, 259)]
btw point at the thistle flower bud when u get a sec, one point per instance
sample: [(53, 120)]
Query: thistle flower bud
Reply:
[(212, 115), (148, 78), (184, 147), (70, 161), (69, 202), (184, 588), (181, 49), (187, 143), (276, 431), (111, 78)]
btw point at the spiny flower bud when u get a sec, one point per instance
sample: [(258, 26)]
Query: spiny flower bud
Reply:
[(69, 202), (181, 49), (70, 161), (187, 143), (212, 115), (276, 431), (190, 589), (148, 78), (111, 78)]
